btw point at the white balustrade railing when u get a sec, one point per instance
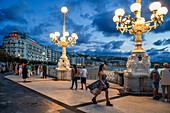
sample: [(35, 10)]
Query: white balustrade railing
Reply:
[(112, 76)]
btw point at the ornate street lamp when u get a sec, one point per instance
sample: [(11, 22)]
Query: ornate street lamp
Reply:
[(43, 54), (19, 55), (138, 64), (64, 42)]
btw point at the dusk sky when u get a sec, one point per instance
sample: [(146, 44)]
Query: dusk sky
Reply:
[(90, 19)]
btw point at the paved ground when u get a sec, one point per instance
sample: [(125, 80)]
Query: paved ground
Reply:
[(57, 97)]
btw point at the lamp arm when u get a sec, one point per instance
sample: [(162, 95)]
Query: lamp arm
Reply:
[(150, 28)]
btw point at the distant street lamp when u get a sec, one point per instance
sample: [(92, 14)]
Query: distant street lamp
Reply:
[(47, 60), (64, 70), (43, 54), (19, 55), (137, 74)]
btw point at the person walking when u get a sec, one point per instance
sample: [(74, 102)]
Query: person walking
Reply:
[(36, 69), (45, 70), (156, 78), (84, 74), (16, 71), (29, 70), (20, 70), (25, 73), (101, 85), (41, 70), (165, 82), (74, 74)]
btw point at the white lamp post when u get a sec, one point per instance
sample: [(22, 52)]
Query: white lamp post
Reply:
[(64, 42), (138, 65), (43, 54)]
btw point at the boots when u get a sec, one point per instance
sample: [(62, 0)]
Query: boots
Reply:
[(94, 101), (108, 103)]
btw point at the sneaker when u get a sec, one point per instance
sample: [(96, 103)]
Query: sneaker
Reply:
[(75, 88), (71, 88), (81, 88), (86, 88), (108, 103), (163, 100), (158, 97), (168, 100), (94, 101), (155, 98)]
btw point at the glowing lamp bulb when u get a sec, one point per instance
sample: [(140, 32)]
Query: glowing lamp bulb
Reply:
[(120, 12), (64, 9), (135, 7), (154, 6), (52, 35), (162, 11), (115, 18), (57, 34)]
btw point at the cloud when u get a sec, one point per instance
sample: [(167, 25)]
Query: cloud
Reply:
[(162, 42), (159, 54), (113, 45), (14, 13), (10, 28), (103, 23), (40, 29), (105, 53)]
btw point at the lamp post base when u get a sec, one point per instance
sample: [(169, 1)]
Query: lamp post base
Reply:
[(136, 77), (63, 70), (137, 84), (63, 74)]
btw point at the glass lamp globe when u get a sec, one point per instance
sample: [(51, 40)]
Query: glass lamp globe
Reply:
[(57, 34), (64, 9), (74, 35), (66, 34), (115, 18), (162, 11), (63, 39), (69, 38), (135, 7), (154, 6), (120, 12), (52, 35)]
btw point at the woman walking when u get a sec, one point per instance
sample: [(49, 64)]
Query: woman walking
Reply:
[(165, 82), (74, 75), (24, 73), (101, 85)]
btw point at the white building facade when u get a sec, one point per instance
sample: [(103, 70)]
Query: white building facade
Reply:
[(22, 46)]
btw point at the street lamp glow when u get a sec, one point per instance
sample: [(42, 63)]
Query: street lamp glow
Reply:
[(64, 9), (57, 34), (19, 55), (154, 6), (69, 38), (52, 35), (43, 53), (115, 18), (162, 11), (120, 12), (74, 35), (66, 34), (135, 7)]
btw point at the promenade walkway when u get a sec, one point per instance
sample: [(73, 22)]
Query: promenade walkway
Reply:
[(80, 100)]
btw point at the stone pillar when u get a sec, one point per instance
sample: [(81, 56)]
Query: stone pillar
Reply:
[(137, 76)]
